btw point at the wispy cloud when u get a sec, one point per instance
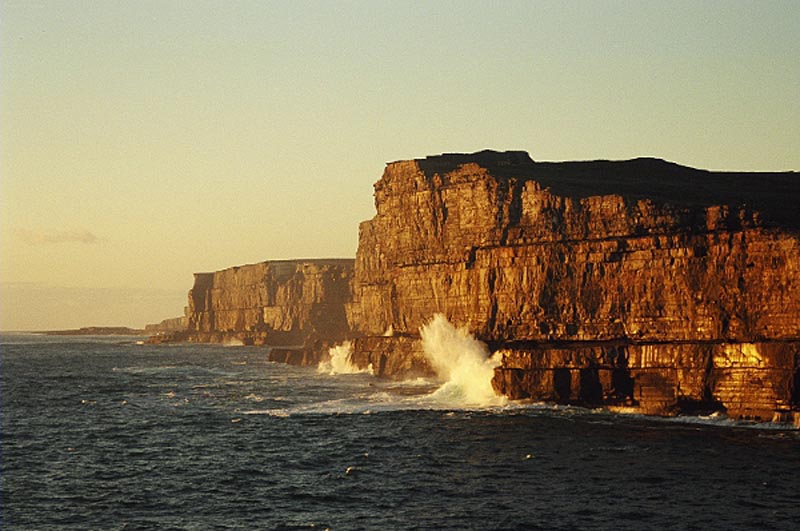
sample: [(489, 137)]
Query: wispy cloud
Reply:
[(51, 236)]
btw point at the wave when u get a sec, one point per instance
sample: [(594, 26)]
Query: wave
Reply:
[(463, 366), (423, 395), (340, 361), (146, 370), (233, 342), (462, 362)]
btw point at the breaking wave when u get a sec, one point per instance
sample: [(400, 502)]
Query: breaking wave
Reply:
[(462, 362), (463, 366), (340, 361), (233, 342)]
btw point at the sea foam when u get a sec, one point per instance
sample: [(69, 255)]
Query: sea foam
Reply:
[(462, 362), (233, 342), (340, 361)]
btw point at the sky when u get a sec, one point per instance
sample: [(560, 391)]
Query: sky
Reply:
[(141, 142)]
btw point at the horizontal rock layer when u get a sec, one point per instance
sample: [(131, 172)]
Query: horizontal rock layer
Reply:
[(748, 380), (287, 302), (554, 262)]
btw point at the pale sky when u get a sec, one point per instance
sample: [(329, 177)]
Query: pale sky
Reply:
[(144, 141)]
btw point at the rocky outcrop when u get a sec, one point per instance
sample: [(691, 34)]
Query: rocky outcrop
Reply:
[(282, 302), (638, 284), (397, 356)]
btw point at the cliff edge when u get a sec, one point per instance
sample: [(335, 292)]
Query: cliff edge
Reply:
[(279, 303), (639, 284)]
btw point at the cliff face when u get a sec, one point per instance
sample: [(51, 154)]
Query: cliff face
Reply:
[(638, 283), (287, 302)]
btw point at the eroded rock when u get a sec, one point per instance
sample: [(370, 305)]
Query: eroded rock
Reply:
[(639, 284)]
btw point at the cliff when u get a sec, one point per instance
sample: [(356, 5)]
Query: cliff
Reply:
[(286, 302), (167, 326), (639, 284)]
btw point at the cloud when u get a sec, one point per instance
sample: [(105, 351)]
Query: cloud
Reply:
[(50, 236)]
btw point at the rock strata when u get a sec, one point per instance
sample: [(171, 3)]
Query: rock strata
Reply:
[(639, 284), (282, 302)]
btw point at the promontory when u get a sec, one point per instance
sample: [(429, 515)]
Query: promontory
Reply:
[(637, 284)]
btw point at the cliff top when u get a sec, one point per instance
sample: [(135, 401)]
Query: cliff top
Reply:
[(774, 194), (289, 263)]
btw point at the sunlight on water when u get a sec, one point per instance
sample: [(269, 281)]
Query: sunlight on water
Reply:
[(462, 362)]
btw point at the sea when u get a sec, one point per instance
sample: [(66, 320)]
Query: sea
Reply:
[(112, 433)]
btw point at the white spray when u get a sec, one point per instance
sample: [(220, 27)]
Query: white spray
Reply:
[(339, 361), (233, 342), (462, 362)]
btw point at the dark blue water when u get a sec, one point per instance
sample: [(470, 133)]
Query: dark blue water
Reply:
[(102, 433)]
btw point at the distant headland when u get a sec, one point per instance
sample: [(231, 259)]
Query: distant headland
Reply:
[(98, 331)]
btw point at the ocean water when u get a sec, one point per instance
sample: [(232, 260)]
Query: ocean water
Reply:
[(105, 433)]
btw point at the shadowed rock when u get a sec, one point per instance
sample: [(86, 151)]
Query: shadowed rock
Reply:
[(279, 302)]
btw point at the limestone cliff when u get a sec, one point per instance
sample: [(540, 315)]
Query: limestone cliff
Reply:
[(638, 283), (286, 302)]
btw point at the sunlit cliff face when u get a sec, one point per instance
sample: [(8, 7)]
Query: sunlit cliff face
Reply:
[(663, 304), (627, 278)]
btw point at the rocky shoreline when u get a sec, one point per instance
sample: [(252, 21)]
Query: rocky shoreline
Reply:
[(639, 284)]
